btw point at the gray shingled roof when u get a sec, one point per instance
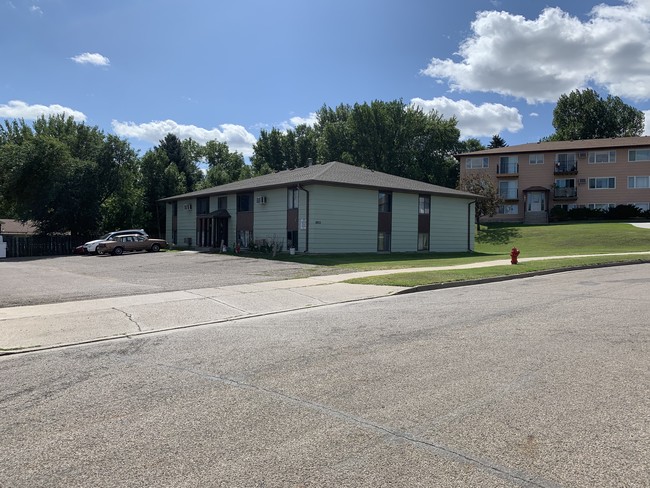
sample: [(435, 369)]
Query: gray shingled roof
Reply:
[(554, 146), (333, 173)]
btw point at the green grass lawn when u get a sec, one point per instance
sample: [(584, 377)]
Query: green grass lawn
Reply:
[(563, 239), (449, 276), (494, 242)]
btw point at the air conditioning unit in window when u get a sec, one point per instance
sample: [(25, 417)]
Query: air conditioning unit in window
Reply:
[(582, 155), (582, 181), (187, 206), (261, 200)]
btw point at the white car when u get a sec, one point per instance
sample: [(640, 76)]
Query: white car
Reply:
[(90, 247)]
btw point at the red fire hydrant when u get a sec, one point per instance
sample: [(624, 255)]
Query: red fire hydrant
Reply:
[(514, 254)]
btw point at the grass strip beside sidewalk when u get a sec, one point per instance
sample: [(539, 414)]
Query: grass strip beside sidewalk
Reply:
[(422, 278)]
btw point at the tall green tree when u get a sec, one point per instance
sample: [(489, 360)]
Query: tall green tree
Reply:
[(185, 156), (159, 178), (585, 115), (224, 166), (497, 141), (483, 185), (59, 173), (391, 137)]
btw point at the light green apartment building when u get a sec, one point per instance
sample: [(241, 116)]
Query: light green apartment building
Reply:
[(325, 208)]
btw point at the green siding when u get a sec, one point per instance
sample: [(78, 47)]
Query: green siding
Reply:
[(270, 222), (449, 224), (342, 219), (186, 222), (404, 232)]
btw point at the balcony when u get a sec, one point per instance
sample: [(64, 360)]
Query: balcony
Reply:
[(509, 194), (565, 168), (507, 169), (565, 193)]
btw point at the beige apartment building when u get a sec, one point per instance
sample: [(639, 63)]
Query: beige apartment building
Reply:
[(533, 178)]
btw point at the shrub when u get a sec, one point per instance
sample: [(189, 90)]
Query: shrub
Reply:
[(624, 212)]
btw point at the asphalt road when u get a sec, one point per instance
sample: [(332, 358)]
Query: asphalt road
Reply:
[(34, 281), (538, 382)]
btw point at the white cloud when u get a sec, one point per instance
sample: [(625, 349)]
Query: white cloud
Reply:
[(310, 120), (646, 131), (17, 109), (236, 136), (482, 120), (91, 58), (533, 114), (35, 9), (540, 59)]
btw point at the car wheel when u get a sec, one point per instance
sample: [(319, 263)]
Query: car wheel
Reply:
[(118, 251), (155, 247)]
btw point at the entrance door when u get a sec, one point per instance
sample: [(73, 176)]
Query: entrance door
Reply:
[(222, 232), (536, 201)]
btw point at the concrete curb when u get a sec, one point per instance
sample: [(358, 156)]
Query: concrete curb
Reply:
[(495, 279)]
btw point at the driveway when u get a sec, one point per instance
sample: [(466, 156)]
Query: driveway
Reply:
[(66, 278)]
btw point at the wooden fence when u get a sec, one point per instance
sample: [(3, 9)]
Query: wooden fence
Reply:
[(28, 246)]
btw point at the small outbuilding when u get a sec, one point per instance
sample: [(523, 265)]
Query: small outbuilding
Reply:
[(324, 208)]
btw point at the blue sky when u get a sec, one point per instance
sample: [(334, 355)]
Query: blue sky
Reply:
[(216, 69)]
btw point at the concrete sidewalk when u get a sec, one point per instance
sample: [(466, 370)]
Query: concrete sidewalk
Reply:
[(52, 325)]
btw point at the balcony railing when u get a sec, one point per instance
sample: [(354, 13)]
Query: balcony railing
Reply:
[(507, 169), (565, 193), (566, 168), (509, 194)]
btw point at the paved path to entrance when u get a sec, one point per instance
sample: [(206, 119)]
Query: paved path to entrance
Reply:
[(53, 325)]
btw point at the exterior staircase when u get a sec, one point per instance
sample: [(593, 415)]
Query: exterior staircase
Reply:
[(535, 218)]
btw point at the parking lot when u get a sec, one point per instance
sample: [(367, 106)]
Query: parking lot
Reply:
[(31, 281)]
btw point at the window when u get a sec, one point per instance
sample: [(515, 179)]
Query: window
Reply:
[(601, 206), (244, 237), (508, 190), (383, 241), (565, 183), (607, 183), (222, 203), (639, 155), (645, 206), (565, 188), (535, 159), (385, 201), (638, 181), (203, 206), (293, 197), (600, 157), (244, 202), (508, 209), (423, 241), (565, 162), (508, 165), (424, 205), (568, 206), (476, 163)]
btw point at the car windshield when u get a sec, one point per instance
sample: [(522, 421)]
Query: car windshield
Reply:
[(103, 238)]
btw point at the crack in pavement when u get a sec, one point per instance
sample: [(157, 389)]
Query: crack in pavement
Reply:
[(503, 472), (130, 317)]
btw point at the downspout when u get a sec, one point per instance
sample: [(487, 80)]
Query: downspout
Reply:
[(306, 218), (469, 225)]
